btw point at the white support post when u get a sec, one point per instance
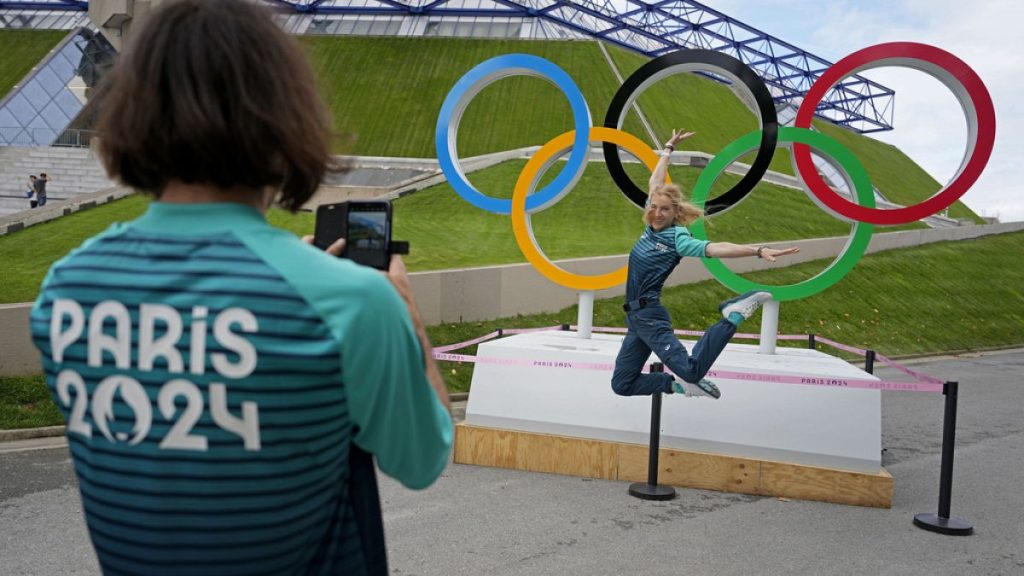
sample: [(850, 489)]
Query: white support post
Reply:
[(769, 327), (585, 317)]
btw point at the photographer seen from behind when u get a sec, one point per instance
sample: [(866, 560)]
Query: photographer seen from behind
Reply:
[(221, 378)]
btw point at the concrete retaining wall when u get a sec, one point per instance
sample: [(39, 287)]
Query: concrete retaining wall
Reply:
[(474, 294), (17, 355)]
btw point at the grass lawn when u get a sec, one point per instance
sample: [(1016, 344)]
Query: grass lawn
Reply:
[(29, 253), (23, 49), (595, 219), (25, 402), (899, 303)]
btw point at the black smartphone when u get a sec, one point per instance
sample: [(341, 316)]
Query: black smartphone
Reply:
[(366, 227)]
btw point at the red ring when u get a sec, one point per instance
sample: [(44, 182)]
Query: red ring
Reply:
[(984, 114)]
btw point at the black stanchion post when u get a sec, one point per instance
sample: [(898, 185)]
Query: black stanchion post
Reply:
[(869, 362), (942, 522), (650, 490), (810, 342)]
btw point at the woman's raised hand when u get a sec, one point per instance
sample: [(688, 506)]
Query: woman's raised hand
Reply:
[(678, 136)]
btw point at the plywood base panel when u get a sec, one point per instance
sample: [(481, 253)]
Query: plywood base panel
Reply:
[(537, 452)]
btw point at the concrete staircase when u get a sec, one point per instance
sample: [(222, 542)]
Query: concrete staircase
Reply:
[(72, 172)]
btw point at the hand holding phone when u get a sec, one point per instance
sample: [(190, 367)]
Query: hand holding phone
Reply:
[(366, 227)]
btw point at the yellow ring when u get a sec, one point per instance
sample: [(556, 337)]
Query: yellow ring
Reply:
[(523, 229)]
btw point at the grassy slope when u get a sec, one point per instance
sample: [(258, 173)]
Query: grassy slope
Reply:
[(23, 49), (593, 220), (388, 92), (689, 101), (899, 178)]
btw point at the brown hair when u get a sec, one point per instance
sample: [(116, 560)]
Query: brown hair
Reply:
[(214, 92), (686, 213)]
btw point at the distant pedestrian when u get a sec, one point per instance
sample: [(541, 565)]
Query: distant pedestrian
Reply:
[(31, 192), (40, 188)]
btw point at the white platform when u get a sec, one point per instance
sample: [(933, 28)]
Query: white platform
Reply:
[(811, 425)]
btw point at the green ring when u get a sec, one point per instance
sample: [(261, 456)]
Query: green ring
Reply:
[(855, 246)]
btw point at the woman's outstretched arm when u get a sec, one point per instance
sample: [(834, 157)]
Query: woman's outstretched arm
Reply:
[(730, 250)]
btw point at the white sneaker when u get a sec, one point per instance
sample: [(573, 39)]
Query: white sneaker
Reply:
[(703, 389), (745, 304)]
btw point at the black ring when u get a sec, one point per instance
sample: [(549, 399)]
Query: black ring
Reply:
[(711, 60)]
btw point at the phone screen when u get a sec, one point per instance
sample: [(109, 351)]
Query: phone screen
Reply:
[(368, 234), (366, 227), (367, 230)]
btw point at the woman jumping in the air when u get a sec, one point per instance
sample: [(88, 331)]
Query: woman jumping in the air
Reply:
[(664, 243)]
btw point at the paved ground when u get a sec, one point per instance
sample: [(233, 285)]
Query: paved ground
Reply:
[(483, 521)]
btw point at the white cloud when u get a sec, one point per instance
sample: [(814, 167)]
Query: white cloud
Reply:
[(929, 125)]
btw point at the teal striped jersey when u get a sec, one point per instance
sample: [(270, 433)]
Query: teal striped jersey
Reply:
[(215, 373), (654, 256)]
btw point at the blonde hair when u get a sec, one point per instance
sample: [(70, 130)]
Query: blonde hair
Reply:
[(686, 213)]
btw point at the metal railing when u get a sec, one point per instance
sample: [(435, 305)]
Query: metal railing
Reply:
[(18, 137)]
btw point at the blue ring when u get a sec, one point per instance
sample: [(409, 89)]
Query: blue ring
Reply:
[(466, 88)]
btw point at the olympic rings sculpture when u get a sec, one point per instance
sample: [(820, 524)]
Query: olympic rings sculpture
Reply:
[(965, 84)]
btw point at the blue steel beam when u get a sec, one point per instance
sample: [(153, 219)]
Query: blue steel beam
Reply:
[(649, 28), (428, 7)]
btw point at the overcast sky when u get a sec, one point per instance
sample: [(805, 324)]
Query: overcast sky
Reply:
[(929, 125)]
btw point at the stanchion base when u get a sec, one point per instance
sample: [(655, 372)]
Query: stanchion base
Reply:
[(952, 526), (646, 491)]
